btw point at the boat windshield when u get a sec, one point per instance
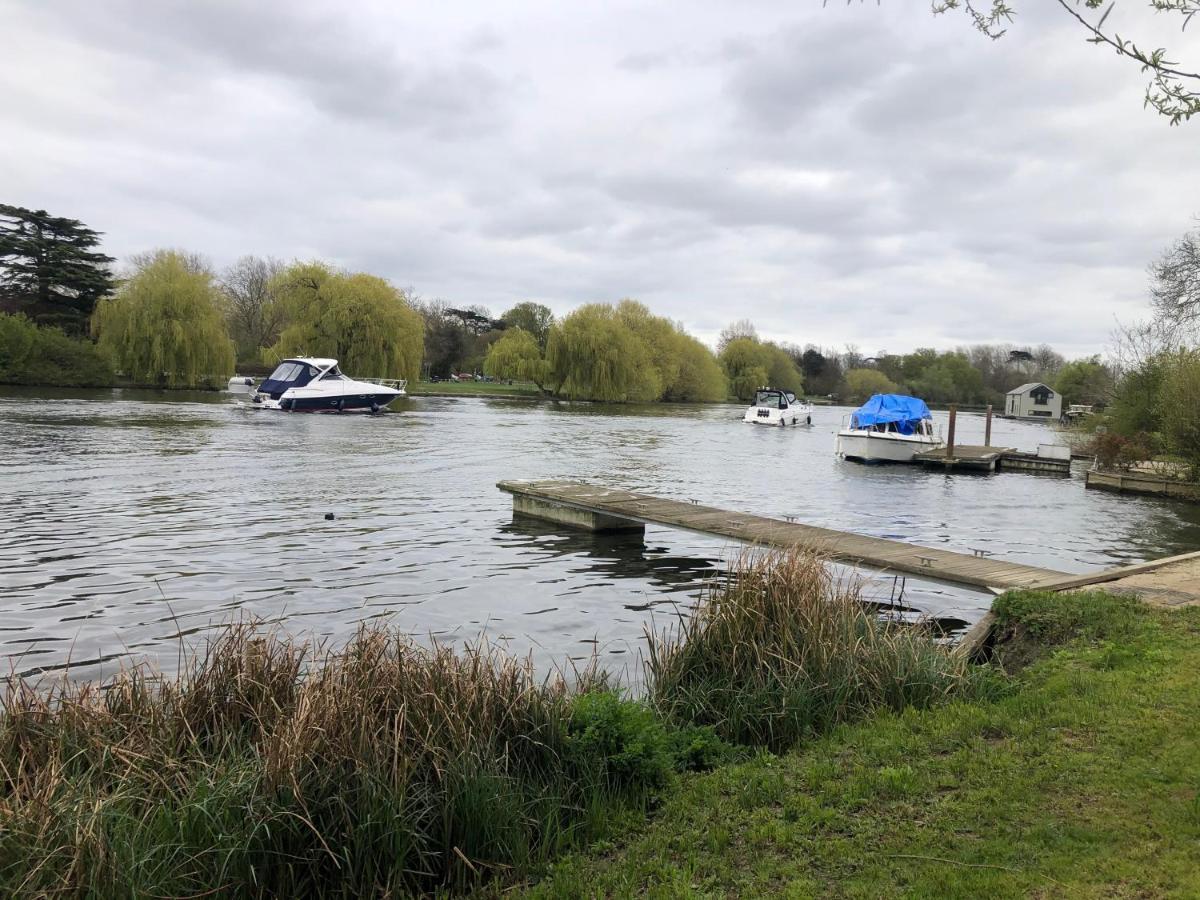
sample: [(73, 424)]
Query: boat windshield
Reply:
[(332, 375), (770, 400), (289, 374)]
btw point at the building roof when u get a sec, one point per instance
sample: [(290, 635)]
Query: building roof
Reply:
[(1026, 388)]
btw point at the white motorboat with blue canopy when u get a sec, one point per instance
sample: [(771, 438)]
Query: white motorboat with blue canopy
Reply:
[(888, 428), (773, 406), (310, 384)]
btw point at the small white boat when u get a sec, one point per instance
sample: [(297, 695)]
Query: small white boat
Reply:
[(305, 384), (888, 428), (775, 407), (240, 384)]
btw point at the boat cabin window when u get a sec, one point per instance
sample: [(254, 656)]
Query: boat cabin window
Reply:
[(791, 397), (332, 375), (285, 372), (770, 400), (293, 374)]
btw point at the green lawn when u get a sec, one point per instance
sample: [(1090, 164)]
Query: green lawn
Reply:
[(1077, 778), (471, 388)]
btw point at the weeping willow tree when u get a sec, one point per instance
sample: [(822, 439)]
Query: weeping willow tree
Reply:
[(593, 355), (626, 353), (751, 364), (699, 378), (360, 320), (516, 355), (165, 324)]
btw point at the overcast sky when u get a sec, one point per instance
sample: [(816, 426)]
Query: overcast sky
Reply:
[(851, 174)]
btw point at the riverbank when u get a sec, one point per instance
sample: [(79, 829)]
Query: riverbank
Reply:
[(1079, 777), (391, 767)]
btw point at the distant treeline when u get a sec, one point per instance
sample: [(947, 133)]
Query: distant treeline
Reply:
[(171, 319)]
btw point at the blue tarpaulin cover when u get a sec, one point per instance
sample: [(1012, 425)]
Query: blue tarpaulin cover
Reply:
[(881, 409)]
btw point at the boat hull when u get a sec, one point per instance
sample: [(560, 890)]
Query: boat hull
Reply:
[(794, 415), (301, 402), (873, 446)]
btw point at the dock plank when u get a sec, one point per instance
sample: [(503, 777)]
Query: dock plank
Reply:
[(857, 549)]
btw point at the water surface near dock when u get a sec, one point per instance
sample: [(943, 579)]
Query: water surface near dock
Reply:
[(128, 518)]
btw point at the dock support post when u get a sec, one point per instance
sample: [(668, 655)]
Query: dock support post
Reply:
[(572, 517), (950, 432), (987, 429)]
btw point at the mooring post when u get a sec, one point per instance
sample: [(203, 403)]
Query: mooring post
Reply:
[(950, 435), (987, 429)]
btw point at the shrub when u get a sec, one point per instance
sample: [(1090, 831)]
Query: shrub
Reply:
[(32, 354), (1116, 451)]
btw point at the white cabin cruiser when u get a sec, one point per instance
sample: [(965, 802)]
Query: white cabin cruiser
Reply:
[(888, 428), (306, 384), (776, 407)]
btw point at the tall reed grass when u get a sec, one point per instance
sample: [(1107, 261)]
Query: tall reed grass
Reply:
[(781, 649), (268, 769), (273, 768)]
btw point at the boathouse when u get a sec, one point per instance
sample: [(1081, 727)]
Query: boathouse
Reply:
[(1033, 401)]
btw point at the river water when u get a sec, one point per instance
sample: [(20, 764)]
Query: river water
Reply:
[(132, 522)]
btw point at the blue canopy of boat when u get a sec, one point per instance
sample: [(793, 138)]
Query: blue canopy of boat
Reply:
[(882, 409)]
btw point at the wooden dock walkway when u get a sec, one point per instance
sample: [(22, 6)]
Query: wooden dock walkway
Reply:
[(990, 459), (963, 456), (599, 508)]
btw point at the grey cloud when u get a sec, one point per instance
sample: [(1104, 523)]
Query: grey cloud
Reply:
[(851, 174)]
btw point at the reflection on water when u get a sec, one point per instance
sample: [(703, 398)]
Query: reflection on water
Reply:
[(134, 520)]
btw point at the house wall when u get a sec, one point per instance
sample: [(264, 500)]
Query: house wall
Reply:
[(1023, 406)]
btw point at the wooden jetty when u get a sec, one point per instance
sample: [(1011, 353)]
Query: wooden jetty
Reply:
[(981, 458), (986, 458), (597, 508), (978, 458)]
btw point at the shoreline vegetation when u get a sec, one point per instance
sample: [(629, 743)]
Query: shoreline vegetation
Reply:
[(269, 768), (786, 742)]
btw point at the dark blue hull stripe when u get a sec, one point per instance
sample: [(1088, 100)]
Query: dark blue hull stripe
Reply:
[(348, 403)]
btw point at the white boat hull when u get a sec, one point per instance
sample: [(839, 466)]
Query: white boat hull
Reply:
[(874, 446), (797, 414)]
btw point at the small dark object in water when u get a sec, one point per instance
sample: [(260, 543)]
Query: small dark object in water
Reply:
[(328, 517)]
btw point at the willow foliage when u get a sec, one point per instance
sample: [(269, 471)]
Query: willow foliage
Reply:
[(751, 364), (516, 355), (360, 320), (594, 355), (625, 353), (166, 324), (700, 379)]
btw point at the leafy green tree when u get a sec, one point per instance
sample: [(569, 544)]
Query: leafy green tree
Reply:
[(533, 318), (166, 325), (1135, 408), (593, 355), (949, 378), (32, 354), (750, 364), (360, 320), (50, 269), (781, 370), (1178, 405), (745, 366), (516, 355), (699, 377), (861, 384), (661, 340), (1085, 381)]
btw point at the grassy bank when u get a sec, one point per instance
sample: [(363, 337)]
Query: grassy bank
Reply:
[(1078, 778), (270, 769)]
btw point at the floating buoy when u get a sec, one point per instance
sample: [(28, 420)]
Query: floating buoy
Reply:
[(328, 517)]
